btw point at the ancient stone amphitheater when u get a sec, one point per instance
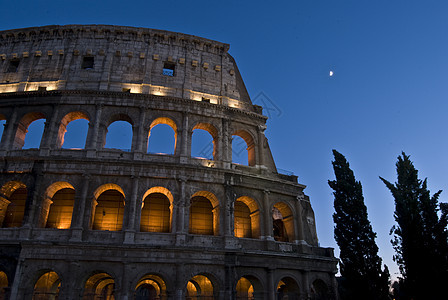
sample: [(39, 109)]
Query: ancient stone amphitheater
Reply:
[(94, 222)]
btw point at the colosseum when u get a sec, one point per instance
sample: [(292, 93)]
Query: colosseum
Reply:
[(97, 222)]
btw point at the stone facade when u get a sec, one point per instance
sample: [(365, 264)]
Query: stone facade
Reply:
[(100, 223)]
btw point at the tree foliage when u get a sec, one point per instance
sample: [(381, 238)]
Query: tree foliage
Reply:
[(420, 235), (362, 277)]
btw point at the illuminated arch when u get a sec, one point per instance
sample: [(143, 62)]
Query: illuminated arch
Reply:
[(57, 208), (47, 286), (108, 208), (211, 129), (72, 116), (250, 143), (165, 121), (249, 287), (13, 195), (118, 118), (283, 222), (150, 286), (4, 284), (204, 213), (99, 286), (22, 128), (246, 218), (201, 287), (157, 210)]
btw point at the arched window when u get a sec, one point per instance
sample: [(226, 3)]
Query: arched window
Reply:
[(73, 131), (287, 288), (200, 287), (319, 290), (202, 145), (243, 148), (4, 284), (162, 136), (150, 287), (109, 210), (244, 289), (12, 200), (33, 137), (246, 218), (204, 214), (156, 213), (47, 287), (33, 134), (119, 136), (2, 126), (61, 209), (162, 140), (283, 222), (99, 286)]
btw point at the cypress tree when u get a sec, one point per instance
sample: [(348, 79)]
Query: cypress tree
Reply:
[(420, 235), (360, 265)]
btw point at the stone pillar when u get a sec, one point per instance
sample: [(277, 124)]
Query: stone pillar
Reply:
[(306, 285), (226, 145), (16, 283), (182, 208), (79, 209), (271, 284), (140, 147), (180, 284), (50, 134), (261, 139), (228, 211), (130, 212), (299, 220), (267, 216), (93, 143), (8, 133), (185, 151)]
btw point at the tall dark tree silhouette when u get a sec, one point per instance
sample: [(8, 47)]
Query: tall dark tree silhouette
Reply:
[(362, 277), (420, 235)]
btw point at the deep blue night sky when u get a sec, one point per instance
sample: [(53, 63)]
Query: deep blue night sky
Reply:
[(388, 93)]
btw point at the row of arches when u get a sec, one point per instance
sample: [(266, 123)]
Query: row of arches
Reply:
[(101, 286), (75, 131), (155, 211)]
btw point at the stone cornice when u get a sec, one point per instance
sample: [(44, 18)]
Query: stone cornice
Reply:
[(120, 32)]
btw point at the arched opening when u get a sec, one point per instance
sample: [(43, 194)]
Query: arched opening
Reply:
[(243, 148), (13, 197), (119, 133), (239, 151), (319, 290), (73, 131), (287, 288), (100, 286), (59, 203), (156, 212), (200, 287), (244, 289), (108, 208), (162, 136), (34, 134), (246, 218), (204, 214), (2, 126), (204, 141), (47, 287), (150, 287), (283, 222), (4, 286)]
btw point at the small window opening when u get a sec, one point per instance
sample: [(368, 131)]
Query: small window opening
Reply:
[(168, 68), (205, 99), (88, 62), (42, 89), (13, 66), (125, 90)]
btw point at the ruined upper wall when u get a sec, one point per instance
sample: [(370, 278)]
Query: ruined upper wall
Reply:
[(117, 58)]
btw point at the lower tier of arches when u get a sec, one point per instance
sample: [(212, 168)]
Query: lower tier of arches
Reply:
[(92, 272)]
